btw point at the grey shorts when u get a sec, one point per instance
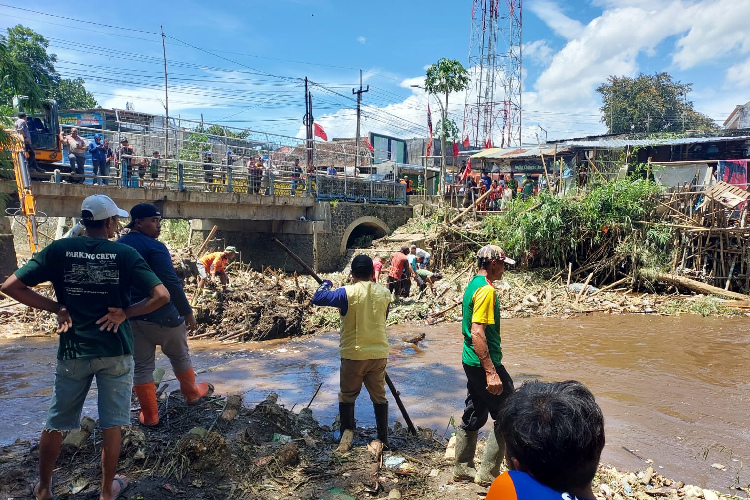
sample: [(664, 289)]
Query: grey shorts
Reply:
[(201, 270), (73, 377)]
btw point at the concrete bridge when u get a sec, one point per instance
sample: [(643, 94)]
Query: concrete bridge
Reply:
[(318, 231)]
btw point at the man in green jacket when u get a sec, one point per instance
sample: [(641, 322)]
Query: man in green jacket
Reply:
[(488, 382)]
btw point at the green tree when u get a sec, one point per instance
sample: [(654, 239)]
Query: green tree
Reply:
[(444, 77), (218, 130), (16, 78), (30, 48), (451, 130), (71, 94), (649, 103)]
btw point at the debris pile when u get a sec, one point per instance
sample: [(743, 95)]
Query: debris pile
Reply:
[(221, 449), (260, 306)]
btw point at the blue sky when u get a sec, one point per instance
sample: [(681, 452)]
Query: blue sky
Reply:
[(240, 63)]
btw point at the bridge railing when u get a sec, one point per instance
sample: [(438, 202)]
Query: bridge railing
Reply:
[(188, 169), (354, 189)]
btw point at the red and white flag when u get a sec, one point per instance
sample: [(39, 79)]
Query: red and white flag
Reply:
[(455, 150), (488, 144), (466, 141), (369, 146), (467, 171), (429, 119), (319, 132)]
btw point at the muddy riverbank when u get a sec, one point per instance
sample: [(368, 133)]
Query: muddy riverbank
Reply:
[(674, 390)]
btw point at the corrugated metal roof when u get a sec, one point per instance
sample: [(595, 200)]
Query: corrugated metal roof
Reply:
[(514, 153), (623, 143)]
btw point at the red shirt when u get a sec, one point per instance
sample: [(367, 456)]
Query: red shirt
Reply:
[(398, 264), (377, 267)]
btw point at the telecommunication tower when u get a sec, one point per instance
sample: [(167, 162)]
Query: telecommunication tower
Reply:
[(492, 112)]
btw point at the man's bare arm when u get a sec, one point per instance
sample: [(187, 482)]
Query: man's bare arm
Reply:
[(479, 341)]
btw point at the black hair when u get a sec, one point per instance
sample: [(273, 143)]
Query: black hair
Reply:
[(483, 262), (93, 224), (555, 431), (362, 267), (21, 114)]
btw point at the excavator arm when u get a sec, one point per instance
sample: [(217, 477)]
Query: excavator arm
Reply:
[(25, 195)]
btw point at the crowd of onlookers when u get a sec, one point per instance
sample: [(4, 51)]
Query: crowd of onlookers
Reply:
[(502, 188)]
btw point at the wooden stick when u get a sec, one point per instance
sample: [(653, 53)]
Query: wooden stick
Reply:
[(611, 285), (695, 285), (544, 164), (585, 285), (397, 397), (570, 270), (205, 243), (467, 210)]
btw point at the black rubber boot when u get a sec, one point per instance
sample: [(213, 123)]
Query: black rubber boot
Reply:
[(346, 420), (346, 416), (381, 421)]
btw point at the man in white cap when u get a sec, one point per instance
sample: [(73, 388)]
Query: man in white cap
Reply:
[(92, 278), (488, 382)]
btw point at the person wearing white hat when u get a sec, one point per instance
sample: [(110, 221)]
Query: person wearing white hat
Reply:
[(92, 278), (488, 382)]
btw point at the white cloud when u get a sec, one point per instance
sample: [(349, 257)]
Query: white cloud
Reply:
[(538, 51), (739, 74), (553, 16), (563, 100), (717, 28), (362, 40)]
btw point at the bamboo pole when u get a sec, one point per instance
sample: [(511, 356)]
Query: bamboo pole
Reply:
[(205, 243), (546, 176), (585, 285), (467, 210)]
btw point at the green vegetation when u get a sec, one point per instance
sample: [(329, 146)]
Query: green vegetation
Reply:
[(556, 227), (28, 69), (175, 233), (649, 103)]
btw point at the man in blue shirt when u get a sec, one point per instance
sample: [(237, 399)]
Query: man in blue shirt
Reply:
[(167, 326), (98, 152)]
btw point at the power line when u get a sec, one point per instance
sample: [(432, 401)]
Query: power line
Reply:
[(78, 20)]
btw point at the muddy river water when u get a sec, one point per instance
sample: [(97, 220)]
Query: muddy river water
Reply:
[(675, 390)]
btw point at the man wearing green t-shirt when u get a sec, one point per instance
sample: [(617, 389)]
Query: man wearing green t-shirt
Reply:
[(488, 382), (92, 278)]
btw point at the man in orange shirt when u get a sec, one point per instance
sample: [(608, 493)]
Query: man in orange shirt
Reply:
[(399, 267), (216, 262)]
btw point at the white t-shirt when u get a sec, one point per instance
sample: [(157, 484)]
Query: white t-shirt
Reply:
[(422, 253)]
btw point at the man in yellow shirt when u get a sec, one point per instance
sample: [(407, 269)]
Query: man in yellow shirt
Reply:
[(216, 263), (488, 382), (363, 345)]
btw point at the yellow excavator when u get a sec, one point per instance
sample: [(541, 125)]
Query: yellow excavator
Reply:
[(23, 184)]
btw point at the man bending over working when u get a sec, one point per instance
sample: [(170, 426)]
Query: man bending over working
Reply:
[(364, 345), (92, 278), (216, 262), (554, 435)]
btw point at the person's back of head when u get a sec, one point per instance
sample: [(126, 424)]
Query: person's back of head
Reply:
[(405, 250), (554, 432), (362, 268)]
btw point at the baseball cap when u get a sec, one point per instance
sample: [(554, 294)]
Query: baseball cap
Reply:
[(230, 250), (100, 207), (494, 252), (142, 211), (362, 266)]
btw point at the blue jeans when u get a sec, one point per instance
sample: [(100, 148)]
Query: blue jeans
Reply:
[(114, 383), (101, 167)]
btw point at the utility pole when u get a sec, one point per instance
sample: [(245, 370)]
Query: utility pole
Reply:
[(308, 121), (359, 101), (166, 94)]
